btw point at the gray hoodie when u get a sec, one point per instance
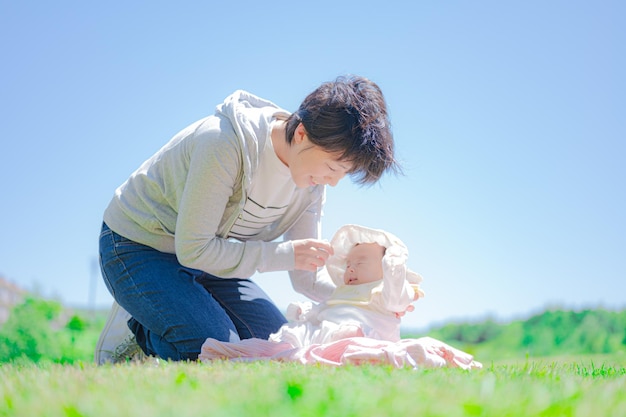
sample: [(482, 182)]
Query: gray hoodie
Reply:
[(186, 197)]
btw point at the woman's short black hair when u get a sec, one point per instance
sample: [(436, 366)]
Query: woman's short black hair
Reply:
[(349, 117)]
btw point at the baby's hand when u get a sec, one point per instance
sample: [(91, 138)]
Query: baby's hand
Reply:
[(408, 310), (418, 294), (297, 311)]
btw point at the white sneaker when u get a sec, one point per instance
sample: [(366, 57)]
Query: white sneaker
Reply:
[(115, 338), (128, 351)]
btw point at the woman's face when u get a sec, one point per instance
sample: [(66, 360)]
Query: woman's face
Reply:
[(311, 165), (364, 264)]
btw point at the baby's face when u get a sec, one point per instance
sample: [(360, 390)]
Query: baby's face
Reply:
[(364, 264)]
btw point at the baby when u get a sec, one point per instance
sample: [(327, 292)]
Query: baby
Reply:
[(373, 288)]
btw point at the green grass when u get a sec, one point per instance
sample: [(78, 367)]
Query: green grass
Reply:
[(569, 386)]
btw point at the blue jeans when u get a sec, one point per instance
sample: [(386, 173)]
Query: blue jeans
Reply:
[(175, 309)]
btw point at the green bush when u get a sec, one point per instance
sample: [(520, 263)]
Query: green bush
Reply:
[(40, 331)]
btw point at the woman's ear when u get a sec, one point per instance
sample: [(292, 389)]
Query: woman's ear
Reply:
[(299, 134)]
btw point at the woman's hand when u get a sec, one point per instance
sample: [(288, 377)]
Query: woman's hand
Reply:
[(311, 253)]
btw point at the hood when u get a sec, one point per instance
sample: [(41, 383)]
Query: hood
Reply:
[(349, 235), (251, 118)]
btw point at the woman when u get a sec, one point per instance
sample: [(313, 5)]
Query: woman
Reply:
[(183, 235)]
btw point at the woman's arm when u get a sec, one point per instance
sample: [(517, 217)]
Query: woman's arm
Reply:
[(214, 178), (316, 285)]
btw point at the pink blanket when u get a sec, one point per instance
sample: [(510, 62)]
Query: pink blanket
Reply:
[(415, 353)]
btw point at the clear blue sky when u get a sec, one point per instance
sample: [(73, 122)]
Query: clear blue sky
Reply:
[(509, 117)]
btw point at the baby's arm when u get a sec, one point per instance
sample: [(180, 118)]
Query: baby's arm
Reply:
[(398, 293)]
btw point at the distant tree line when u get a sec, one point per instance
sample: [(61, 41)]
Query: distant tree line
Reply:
[(43, 331), (553, 332)]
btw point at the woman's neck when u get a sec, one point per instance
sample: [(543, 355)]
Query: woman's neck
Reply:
[(278, 135)]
